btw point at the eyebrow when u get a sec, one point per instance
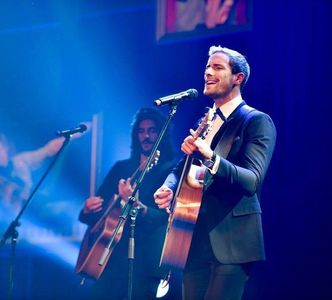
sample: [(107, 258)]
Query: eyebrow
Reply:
[(215, 65), (148, 128)]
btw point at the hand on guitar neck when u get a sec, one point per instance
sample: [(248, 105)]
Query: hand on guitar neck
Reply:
[(125, 190), (192, 145)]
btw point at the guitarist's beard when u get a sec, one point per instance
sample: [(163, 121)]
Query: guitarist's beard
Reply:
[(146, 147), (146, 152)]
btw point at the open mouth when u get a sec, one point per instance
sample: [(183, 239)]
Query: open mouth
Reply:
[(209, 82)]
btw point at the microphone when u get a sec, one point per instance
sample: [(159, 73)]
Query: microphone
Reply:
[(191, 93), (68, 132)]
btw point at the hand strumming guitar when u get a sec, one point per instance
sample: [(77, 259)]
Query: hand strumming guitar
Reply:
[(163, 197), (93, 205)]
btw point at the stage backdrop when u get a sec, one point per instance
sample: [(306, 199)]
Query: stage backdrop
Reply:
[(63, 62)]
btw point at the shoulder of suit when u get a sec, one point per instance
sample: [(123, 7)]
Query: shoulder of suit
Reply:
[(253, 112)]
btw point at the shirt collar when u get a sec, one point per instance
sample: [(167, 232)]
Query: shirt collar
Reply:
[(230, 106)]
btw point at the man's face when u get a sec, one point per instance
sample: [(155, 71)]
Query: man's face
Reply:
[(218, 77), (147, 135)]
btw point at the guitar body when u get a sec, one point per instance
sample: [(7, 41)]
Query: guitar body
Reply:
[(183, 217), (185, 205), (97, 237), (95, 241)]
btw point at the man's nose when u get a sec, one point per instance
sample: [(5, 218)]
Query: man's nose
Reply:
[(208, 72)]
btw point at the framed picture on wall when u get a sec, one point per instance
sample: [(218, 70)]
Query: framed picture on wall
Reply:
[(183, 19)]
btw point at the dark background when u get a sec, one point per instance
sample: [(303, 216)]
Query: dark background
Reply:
[(63, 61)]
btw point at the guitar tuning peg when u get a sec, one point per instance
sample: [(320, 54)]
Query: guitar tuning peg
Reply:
[(157, 155)]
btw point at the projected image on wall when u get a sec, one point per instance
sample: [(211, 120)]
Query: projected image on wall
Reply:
[(195, 18), (54, 205)]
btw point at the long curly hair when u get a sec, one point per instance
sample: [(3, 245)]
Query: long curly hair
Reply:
[(165, 147)]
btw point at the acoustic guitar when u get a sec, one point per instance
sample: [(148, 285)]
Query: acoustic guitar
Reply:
[(96, 237), (185, 205)]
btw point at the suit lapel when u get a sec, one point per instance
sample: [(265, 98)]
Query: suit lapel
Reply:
[(223, 140)]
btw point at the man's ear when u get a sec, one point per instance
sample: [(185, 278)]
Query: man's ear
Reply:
[(238, 78)]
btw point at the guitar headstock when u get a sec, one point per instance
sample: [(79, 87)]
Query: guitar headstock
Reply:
[(154, 160), (205, 124)]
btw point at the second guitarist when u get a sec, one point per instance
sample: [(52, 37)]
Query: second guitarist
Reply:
[(150, 222)]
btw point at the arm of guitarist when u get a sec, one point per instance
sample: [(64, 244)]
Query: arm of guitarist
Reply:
[(253, 159), (92, 206)]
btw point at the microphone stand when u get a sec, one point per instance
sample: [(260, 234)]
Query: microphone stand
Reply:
[(11, 231), (130, 209)]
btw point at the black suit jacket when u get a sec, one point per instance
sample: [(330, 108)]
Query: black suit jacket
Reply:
[(230, 205)]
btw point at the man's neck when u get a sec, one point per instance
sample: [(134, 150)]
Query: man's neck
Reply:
[(223, 100)]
